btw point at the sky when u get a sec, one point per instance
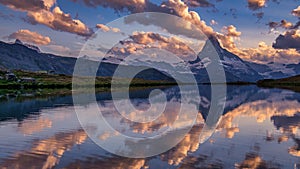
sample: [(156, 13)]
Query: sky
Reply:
[(256, 30)]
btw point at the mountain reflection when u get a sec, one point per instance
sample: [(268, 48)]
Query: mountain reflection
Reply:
[(259, 128)]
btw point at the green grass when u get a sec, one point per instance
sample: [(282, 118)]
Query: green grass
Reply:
[(47, 85), (65, 81), (291, 83)]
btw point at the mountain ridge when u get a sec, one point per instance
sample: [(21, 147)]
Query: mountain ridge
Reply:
[(28, 57)]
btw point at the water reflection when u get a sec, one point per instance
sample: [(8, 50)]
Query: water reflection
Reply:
[(46, 153), (253, 160), (259, 129)]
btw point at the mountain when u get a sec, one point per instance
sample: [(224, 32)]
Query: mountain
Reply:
[(274, 70), (18, 41), (28, 57), (235, 68), (291, 83), (21, 56), (212, 55)]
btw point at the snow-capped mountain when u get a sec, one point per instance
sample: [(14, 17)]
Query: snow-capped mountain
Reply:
[(274, 70), (28, 57), (235, 68)]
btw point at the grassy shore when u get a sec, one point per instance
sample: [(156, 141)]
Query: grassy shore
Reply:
[(291, 83), (49, 85), (48, 81)]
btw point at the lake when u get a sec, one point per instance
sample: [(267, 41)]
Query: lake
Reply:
[(258, 128)]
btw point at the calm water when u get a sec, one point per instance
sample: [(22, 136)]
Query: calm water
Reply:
[(258, 129)]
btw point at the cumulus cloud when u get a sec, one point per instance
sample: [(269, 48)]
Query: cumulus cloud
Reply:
[(290, 39), (58, 20), (286, 24), (193, 26), (31, 37), (264, 53), (38, 12), (26, 5), (282, 24), (256, 4), (231, 31), (174, 7), (105, 28), (296, 12), (180, 8), (146, 40), (228, 36)]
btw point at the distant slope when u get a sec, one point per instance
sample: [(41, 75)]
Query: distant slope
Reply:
[(28, 57), (291, 83), (294, 80), (19, 56), (274, 70)]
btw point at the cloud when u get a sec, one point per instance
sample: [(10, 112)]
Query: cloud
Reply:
[(105, 28), (38, 12), (58, 20), (49, 3), (296, 12), (194, 26), (174, 7), (145, 40), (273, 25), (286, 24), (231, 31), (264, 53), (31, 37), (118, 5), (199, 3), (228, 37), (282, 24), (180, 9), (256, 4), (213, 22), (290, 39), (26, 5), (60, 50)]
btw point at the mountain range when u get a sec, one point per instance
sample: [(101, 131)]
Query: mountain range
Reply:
[(28, 57)]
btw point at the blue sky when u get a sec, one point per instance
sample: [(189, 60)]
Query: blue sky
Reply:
[(224, 12)]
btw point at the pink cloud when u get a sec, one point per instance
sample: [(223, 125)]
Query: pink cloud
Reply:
[(31, 37)]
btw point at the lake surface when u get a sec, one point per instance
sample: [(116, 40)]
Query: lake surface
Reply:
[(259, 128)]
